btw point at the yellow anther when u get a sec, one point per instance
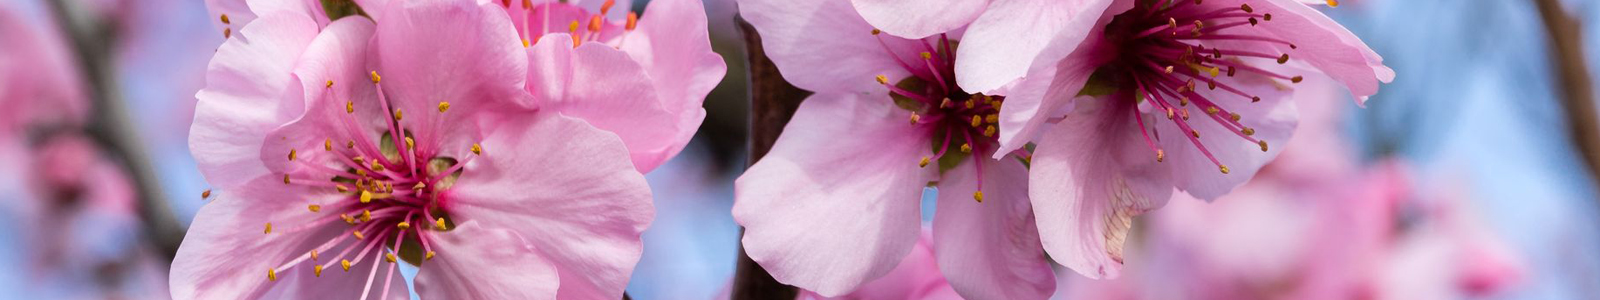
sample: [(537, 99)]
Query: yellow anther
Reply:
[(225, 18), (978, 195), (525, 43), (350, 144), (633, 22), (349, 107), (991, 118), (345, 264), (989, 132), (1248, 131), (366, 215), (411, 144), (269, 228), (317, 269), (205, 194), (285, 178), (347, 219), (966, 147), (377, 167), (1212, 110), (389, 257), (915, 118), (1263, 145), (1183, 100), (1234, 116), (403, 225), (272, 275), (291, 154), (882, 79), (428, 256), (375, 77), (1331, 3), (341, 188), (1224, 169), (573, 27), (398, 114), (313, 255), (327, 145), (366, 197), (419, 186), (1168, 70), (976, 120), (476, 149), (444, 106), (1161, 155), (926, 55), (924, 162), (971, 104), (358, 235), (1170, 113), (439, 223), (314, 208)]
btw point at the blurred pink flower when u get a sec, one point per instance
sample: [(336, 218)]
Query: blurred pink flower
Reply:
[(40, 86), (834, 205), (664, 59), (408, 140), (1361, 235), (1124, 66)]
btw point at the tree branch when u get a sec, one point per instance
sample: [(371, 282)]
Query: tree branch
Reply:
[(773, 102), (112, 128), (1576, 86)]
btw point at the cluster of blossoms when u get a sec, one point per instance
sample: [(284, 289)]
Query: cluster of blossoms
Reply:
[(1045, 127), (497, 146)]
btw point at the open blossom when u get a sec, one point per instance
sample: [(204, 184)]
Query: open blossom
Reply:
[(339, 152), (835, 203), (1138, 98)]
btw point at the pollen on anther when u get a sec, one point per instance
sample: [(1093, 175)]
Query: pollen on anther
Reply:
[(966, 147), (314, 208), (1161, 155), (989, 132), (358, 235), (345, 264), (439, 223), (410, 143), (476, 149), (349, 107), (272, 275), (1248, 131), (1234, 116), (926, 55), (882, 79), (403, 225), (327, 145), (1331, 3), (428, 256), (915, 118), (341, 188), (366, 196), (976, 120), (225, 16), (291, 154), (375, 77), (205, 194), (444, 106), (317, 269), (924, 162), (389, 257), (1263, 145), (366, 215), (978, 195), (313, 255), (398, 114), (269, 228), (633, 21), (1224, 169), (285, 178)]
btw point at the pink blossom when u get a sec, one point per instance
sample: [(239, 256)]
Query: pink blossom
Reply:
[(39, 82), (834, 205), (666, 54), (342, 151), (1135, 99), (916, 277)]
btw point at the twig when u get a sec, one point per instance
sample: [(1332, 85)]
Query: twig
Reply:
[(1576, 87), (773, 102), (111, 127)]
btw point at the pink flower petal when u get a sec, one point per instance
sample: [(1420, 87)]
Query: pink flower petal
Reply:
[(990, 250), (919, 18), (1001, 44), (1047, 92), (608, 89), (459, 52), (566, 188), (676, 51), (475, 262), (1273, 122), (824, 45), (834, 204), (1090, 175), (1326, 45), (242, 100), (226, 256)]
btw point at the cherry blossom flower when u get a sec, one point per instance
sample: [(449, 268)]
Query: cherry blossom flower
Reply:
[(668, 47), (342, 150), (1139, 98), (835, 203)]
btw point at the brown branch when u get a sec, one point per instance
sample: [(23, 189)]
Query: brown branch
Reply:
[(112, 128), (773, 102), (1576, 86)]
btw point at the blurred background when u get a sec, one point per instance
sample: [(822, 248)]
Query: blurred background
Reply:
[(1467, 178)]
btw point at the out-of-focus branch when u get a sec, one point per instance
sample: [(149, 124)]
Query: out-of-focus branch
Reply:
[(111, 125), (1576, 86), (773, 102)]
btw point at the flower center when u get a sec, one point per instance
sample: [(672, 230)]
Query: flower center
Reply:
[(538, 20), (1167, 48), (959, 122), (389, 189)]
